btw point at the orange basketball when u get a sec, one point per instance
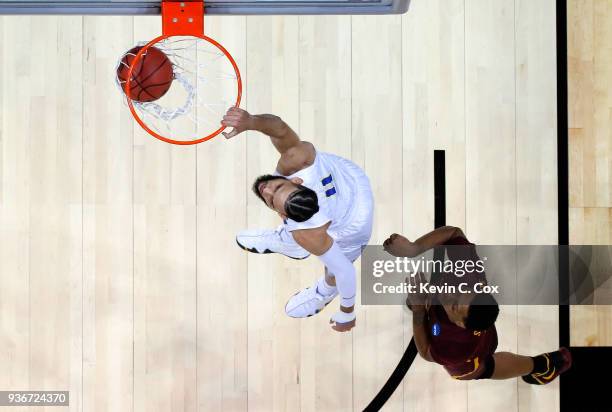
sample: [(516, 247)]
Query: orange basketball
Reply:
[(152, 76)]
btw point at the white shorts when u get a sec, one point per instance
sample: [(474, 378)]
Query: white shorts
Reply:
[(353, 236)]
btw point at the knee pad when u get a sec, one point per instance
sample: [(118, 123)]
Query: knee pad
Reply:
[(489, 368)]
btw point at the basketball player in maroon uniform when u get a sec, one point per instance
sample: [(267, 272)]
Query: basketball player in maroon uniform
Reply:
[(458, 331)]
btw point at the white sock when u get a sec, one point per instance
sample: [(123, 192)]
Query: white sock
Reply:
[(325, 289)]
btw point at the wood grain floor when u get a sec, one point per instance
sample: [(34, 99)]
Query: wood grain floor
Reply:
[(590, 148), (119, 277)]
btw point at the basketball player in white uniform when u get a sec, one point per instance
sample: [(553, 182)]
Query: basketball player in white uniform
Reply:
[(326, 205)]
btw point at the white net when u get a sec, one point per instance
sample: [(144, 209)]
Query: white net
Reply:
[(205, 85)]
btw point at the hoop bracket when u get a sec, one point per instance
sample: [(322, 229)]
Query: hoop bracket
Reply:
[(183, 18)]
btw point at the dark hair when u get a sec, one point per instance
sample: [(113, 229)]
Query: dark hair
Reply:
[(302, 204), (482, 312), (262, 179)]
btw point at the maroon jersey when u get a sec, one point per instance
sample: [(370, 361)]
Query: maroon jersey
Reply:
[(459, 350), (462, 352)]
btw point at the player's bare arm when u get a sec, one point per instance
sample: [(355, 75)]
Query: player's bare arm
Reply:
[(295, 154), (419, 303), (419, 331), (398, 245)]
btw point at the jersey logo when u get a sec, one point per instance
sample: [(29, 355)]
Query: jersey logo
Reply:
[(435, 329), (327, 183)]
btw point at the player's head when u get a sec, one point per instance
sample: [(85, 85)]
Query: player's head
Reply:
[(287, 197), (473, 312)]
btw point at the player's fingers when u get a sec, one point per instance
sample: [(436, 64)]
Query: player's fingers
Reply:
[(236, 111), (390, 239), (230, 123), (230, 118), (231, 134), (236, 120)]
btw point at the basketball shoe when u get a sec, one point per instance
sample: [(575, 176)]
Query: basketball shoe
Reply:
[(271, 241), (308, 302), (553, 365)]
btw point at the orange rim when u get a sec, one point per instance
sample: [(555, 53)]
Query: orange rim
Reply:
[(147, 128)]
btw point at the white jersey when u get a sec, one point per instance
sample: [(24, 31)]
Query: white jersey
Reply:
[(337, 182)]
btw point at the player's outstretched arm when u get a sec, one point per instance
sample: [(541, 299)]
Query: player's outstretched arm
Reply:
[(398, 245), (282, 136)]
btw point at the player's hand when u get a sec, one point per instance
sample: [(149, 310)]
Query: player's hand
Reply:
[(237, 118), (417, 300), (398, 245), (342, 321)]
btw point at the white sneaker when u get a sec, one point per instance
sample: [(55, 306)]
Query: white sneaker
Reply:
[(307, 302), (271, 241)]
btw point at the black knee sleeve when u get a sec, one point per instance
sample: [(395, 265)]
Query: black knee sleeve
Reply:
[(489, 368)]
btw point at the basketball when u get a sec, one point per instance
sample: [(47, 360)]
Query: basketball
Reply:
[(152, 76)]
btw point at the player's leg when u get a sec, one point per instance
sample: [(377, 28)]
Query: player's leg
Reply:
[(537, 370), (326, 285), (313, 299), (510, 365)]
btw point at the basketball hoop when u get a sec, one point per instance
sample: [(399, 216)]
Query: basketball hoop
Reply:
[(205, 81)]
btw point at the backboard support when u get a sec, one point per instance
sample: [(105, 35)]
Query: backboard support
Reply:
[(212, 7)]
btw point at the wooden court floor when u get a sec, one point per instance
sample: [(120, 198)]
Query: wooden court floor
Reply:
[(119, 276), (590, 144)]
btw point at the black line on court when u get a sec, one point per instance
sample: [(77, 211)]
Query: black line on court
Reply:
[(439, 188), (439, 204), (563, 192), (562, 172), (411, 351)]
